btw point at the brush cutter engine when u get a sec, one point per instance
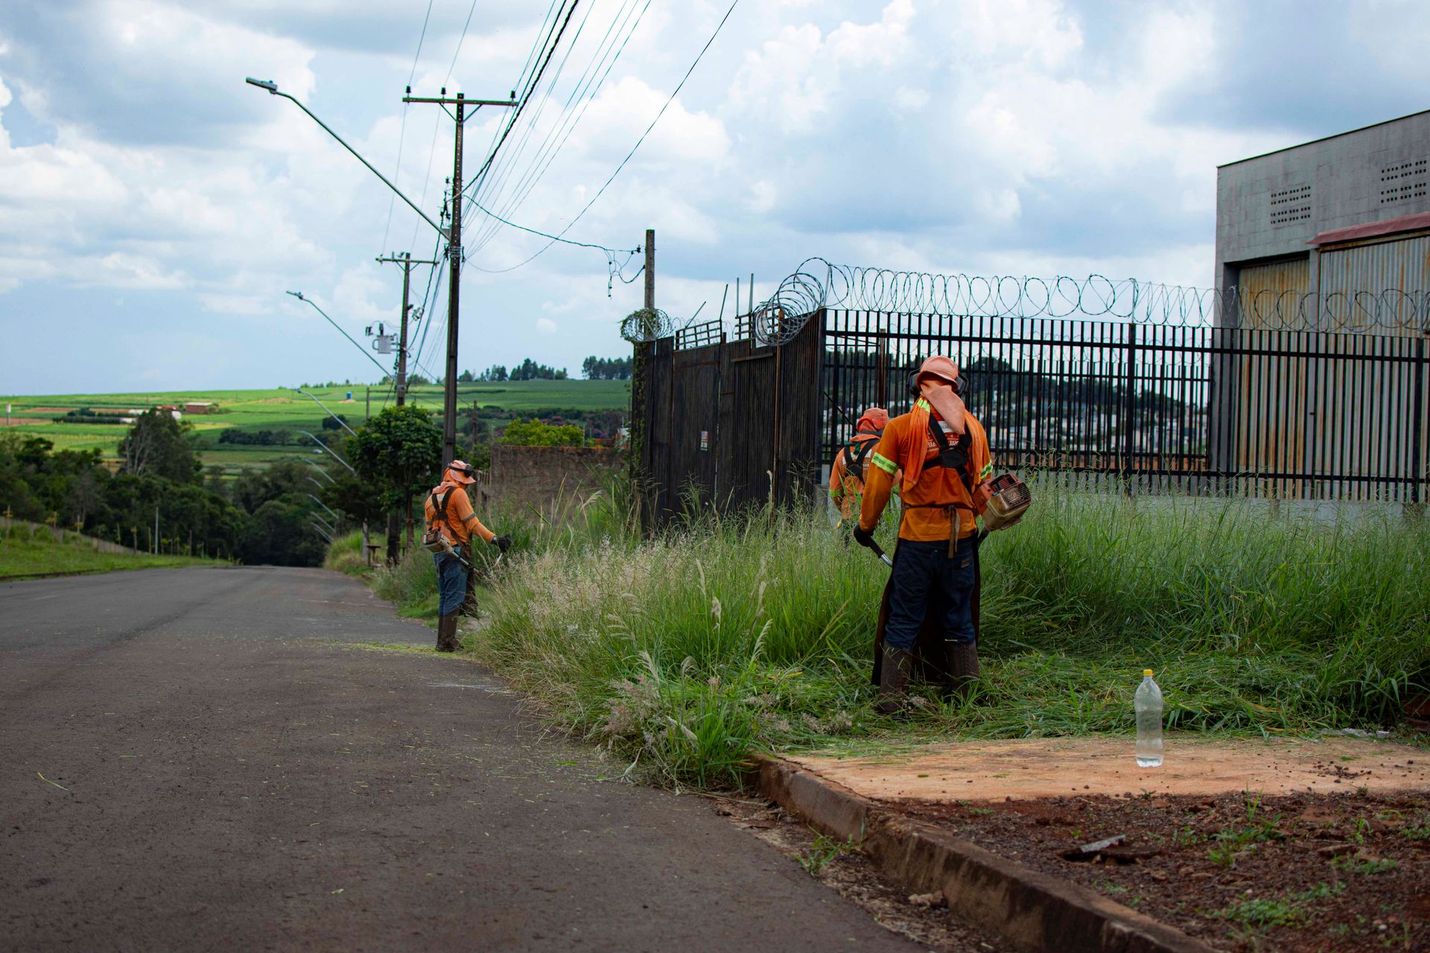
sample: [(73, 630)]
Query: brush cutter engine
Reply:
[(1010, 500)]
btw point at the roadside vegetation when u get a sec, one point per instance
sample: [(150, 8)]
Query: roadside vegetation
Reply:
[(28, 551), (726, 635)]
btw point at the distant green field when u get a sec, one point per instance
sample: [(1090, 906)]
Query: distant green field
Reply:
[(282, 409)]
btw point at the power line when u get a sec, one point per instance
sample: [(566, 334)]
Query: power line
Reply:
[(601, 191), (461, 39), (607, 54), (402, 133), (526, 95)]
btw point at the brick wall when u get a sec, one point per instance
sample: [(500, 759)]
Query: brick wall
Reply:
[(545, 478)]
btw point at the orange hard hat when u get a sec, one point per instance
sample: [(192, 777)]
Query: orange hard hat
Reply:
[(874, 419), (459, 471), (938, 366)]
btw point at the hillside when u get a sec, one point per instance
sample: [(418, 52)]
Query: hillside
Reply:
[(251, 412)]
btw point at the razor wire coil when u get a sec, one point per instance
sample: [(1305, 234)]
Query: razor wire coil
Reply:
[(818, 283)]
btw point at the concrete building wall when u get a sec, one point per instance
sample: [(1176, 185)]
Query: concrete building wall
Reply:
[(1271, 206), (1280, 403)]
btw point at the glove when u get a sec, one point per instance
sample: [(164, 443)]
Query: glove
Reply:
[(502, 542), (862, 536)]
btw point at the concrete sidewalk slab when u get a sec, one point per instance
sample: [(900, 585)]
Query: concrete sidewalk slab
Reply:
[(1035, 768)]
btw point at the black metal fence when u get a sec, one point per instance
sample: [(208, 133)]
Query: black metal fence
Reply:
[(1235, 411), (1137, 406)]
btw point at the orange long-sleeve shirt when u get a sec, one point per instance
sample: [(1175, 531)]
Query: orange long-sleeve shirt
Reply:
[(927, 513), (461, 522)]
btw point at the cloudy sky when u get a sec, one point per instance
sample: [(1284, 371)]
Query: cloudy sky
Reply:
[(154, 208)]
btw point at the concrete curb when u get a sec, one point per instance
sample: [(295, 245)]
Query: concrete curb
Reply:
[(1030, 910)]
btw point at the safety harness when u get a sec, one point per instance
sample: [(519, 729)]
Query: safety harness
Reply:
[(435, 540), (855, 453), (953, 456)]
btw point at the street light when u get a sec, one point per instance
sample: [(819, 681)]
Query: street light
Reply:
[(272, 88), (324, 506), (366, 353), (329, 450), (315, 400), (321, 472)]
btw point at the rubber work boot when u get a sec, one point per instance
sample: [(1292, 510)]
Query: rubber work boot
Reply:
[(894, 672), (447, 633), (963, 668)]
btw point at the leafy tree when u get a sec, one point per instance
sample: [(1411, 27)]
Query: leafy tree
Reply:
[(606, 368), (529, 370), (538, 433), (281, 532), (158, 445), (398, 452)]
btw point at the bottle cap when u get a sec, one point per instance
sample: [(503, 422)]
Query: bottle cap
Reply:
[(1147, 673)]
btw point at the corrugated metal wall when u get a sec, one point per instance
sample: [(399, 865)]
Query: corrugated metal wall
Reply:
[(1266, 290), (1271, 385), (1354, 279), (1380, 286)]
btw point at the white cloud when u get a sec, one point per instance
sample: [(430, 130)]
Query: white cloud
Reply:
[(1021, 136)]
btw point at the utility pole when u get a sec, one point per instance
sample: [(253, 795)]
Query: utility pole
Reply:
[(454, 257), (649, 268), (405, 260)]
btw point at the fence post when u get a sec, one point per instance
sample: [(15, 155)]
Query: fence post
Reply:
[(1129, 408), (638, 429), (1417, 446)]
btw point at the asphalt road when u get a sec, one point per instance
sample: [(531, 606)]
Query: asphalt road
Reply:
[(206, 759)]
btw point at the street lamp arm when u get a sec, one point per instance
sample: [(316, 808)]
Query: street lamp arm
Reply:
[(323, 505), (329, 450), (299, 296), (341, 422), (272, 88)]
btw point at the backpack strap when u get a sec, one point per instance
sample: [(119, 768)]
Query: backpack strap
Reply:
[(854, 458), (955, 456), (439, 506)]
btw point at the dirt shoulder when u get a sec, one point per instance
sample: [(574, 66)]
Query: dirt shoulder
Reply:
[(1289, 845), (1302, 872)]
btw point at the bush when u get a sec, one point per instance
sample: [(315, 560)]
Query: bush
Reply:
[(346, 555), (538, 433)]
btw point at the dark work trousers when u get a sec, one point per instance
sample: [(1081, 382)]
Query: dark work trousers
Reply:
[(451, 582), (923, 575)]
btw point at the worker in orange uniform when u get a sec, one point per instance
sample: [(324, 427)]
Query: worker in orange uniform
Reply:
[(942, 450), (451, 524), (846, 475)]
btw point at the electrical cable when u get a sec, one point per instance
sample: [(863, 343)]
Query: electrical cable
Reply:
[(526, 96), (607, 54), (402, 133), (479, 182), (642, 139)]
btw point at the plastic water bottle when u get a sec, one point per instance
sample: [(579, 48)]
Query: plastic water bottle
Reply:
[(1148, 704)]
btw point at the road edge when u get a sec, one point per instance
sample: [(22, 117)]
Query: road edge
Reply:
[(1031, 910)]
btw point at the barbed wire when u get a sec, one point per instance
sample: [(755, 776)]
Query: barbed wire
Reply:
[(818, 283)]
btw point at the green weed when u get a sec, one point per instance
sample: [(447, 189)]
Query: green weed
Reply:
[(823, 851), (1365, 865)]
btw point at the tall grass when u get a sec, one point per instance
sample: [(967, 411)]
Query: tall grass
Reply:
[(686, 652)]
